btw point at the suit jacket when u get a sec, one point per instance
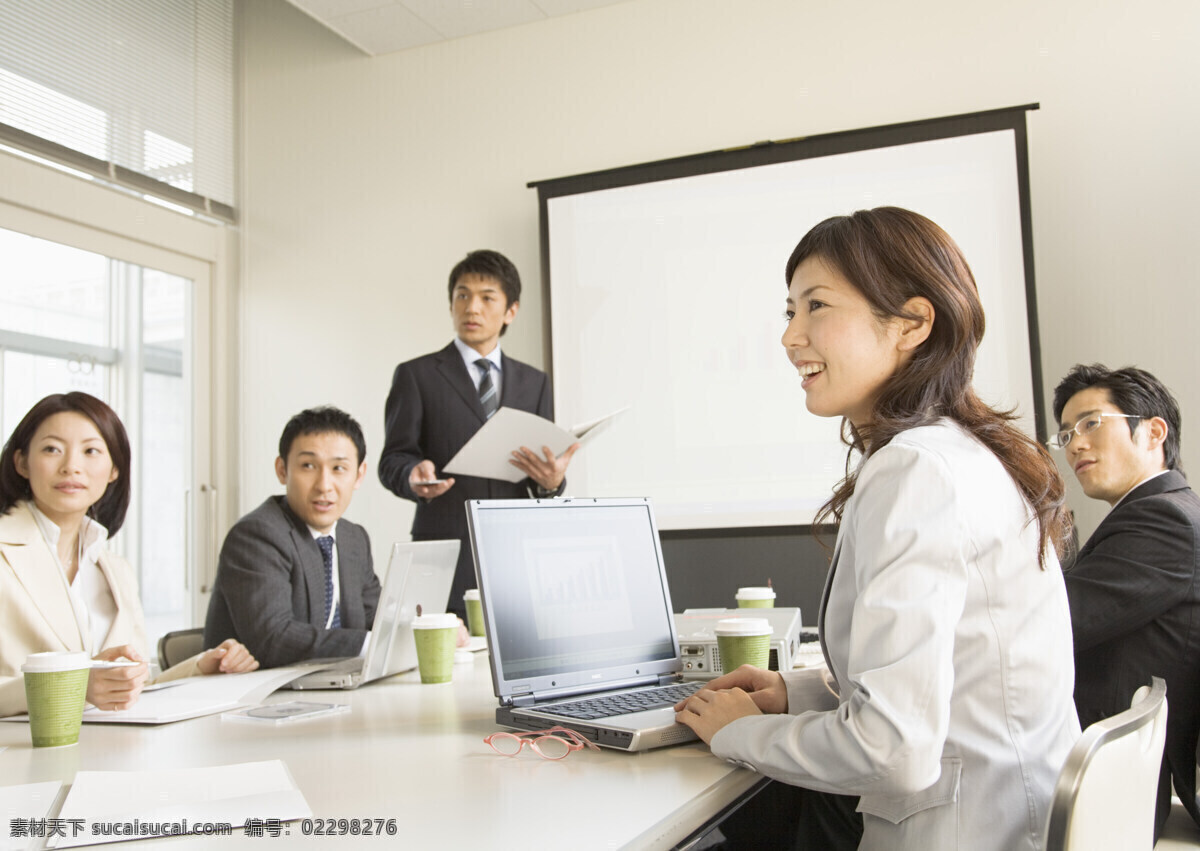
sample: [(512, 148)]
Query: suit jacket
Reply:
[(950, 652), (432, 410), (1135, 609), (36, 615), (270, 589)]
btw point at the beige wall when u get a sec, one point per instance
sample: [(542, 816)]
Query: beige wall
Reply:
[(366, 179)]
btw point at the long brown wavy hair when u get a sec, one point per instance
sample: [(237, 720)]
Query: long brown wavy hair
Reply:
[(891, 255)]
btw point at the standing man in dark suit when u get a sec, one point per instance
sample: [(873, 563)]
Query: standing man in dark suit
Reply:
[(295, 579), (438, 402), (1134, 589)]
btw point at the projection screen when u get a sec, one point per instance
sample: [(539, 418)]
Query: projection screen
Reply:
[(665, 290)]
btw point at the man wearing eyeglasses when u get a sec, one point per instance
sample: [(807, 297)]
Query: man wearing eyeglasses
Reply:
[(1134, 588)]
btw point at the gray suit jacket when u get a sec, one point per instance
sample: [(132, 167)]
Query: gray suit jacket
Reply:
[(432, 410), (270, 589), (949, 650)]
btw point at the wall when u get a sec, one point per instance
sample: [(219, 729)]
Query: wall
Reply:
[(366, 179)]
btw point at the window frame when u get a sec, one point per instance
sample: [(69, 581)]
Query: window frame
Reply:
[(48, 203)]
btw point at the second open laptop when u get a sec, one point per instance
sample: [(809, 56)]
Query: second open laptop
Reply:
[(418, 579), (579, 622)]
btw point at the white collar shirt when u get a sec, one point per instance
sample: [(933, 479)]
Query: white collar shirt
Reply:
[(469, 357), (92, 599)]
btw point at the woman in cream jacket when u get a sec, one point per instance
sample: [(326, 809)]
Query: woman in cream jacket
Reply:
[(946, 708), (64, 490)]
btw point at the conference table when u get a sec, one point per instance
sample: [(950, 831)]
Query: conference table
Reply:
[(414, 753)]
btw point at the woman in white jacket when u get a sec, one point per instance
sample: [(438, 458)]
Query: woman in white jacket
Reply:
[(64, 490), (946, 707)]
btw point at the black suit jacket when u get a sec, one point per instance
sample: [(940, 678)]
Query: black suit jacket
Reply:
[(1135, 611), (432, 410), (270, 589)]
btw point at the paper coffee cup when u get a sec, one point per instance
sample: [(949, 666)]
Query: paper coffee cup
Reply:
[(756, 598), (743, 641), (55, 688), (474, 611), (436, 637)]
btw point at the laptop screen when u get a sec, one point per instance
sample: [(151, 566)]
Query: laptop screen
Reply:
[(573, 586)]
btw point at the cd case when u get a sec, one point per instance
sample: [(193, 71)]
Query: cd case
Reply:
[(285, 713)]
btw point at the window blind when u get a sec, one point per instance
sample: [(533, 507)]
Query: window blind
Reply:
[(136, 93)]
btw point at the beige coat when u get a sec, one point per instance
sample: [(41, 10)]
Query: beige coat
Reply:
[(35, 607)]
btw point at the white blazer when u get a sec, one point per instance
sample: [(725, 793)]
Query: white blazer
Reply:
[(35, 606), (950, 651)]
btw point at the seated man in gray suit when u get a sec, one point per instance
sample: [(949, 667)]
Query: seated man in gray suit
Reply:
[(295, 580), (438, 402), (1134, 588)]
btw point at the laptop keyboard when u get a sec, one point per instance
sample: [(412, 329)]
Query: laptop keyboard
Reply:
[(624, 702)]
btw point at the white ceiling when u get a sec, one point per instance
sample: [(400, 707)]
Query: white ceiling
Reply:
[(385, 26)]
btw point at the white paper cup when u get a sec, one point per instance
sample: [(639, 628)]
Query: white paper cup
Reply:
[(436, 637), (55, 688), (743, 641), (755, 598), (474, 608)]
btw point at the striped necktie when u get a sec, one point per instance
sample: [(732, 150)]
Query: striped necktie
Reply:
[(488, 397)]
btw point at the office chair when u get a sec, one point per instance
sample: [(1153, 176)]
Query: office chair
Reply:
[(1107, 789), (181, 644)]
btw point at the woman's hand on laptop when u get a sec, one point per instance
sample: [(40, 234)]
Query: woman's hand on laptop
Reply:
[(765, 688), (707, 711), (228, 657)]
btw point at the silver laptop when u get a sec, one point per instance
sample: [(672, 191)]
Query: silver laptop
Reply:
[(579, 619), (418, 579)]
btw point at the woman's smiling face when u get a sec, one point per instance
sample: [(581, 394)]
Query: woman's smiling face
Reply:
[(842, 351)]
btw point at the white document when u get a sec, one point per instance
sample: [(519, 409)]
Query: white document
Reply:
[(27, 802), (125, 805), (486, 455), (197, 696)]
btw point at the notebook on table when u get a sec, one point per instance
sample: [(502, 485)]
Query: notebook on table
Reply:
[(418, 579), (579, 619)]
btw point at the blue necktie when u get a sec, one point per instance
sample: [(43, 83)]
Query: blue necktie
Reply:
[(487, 389), (326, 544)]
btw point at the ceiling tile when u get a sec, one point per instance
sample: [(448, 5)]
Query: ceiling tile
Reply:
[(323, 10), (554, 8), (385, 29), (458, 18), (384, 26)]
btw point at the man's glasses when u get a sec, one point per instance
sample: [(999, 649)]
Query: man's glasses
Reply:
[(554, 743), (1087, 425)]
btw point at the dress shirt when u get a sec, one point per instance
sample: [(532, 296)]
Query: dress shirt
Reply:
[(91, 598), (469, 357)]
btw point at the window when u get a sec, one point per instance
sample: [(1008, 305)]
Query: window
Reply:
[(72, 319), (137, 94)]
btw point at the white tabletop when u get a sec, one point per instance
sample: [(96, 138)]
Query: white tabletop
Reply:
[(415, 753)]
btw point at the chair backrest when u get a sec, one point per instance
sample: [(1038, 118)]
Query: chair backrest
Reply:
[(1108, 787), (181, 644)]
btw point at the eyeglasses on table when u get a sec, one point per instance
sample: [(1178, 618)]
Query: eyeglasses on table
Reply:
[(554, 743)]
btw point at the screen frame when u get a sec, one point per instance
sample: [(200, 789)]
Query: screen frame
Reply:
[(810, 147)]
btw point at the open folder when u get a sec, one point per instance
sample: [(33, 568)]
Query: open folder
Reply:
[(486, 455)]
